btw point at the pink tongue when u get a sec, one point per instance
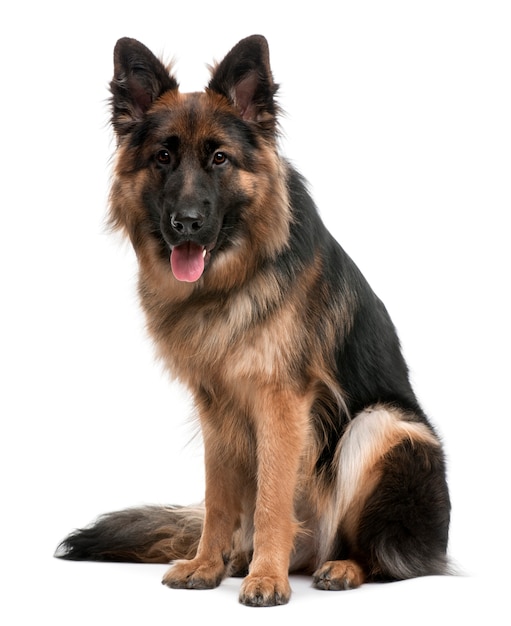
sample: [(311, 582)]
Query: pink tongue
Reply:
[(187, 262)]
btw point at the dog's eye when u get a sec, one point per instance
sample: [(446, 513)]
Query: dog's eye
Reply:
[(163, 157), (219, 158)]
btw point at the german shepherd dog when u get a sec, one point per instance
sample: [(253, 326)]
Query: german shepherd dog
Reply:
[(318, 457)]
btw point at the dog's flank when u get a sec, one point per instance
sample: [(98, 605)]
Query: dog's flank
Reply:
[(319, 458)]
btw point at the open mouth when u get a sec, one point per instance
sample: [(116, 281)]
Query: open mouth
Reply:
[(188, 261)]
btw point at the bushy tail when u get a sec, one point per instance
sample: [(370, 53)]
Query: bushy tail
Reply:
[(149, 534)]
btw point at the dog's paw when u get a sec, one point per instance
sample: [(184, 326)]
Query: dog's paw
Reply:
[(265, 591), (194, 574), (337, 575)]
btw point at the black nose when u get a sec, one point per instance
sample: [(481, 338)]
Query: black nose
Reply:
[(187, 223)]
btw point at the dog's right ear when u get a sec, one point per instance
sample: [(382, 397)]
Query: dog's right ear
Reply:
[(139, 79)]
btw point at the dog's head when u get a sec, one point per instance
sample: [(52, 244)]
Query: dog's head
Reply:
[(197, 175)]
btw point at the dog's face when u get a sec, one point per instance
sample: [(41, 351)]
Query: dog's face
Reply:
[(193, 170), (195, 152)]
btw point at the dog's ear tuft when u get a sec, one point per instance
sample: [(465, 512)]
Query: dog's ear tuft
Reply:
[(245, 78), (139, 79)]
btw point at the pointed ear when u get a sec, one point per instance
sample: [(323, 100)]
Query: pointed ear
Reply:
[(139, 79), (245, 78)]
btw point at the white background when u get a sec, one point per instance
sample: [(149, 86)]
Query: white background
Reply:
[(398, 113)]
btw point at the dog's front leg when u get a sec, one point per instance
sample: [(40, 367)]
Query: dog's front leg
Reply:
[(281, 420), (222, 503)]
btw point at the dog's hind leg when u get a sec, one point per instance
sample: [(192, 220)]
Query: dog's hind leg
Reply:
[(390, 517)]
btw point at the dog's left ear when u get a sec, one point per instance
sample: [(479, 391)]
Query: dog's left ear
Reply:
[(244, 77)]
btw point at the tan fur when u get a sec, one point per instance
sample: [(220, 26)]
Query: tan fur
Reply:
[(178, 538)]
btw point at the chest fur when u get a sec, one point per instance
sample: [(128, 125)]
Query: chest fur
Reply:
[(233, 339)]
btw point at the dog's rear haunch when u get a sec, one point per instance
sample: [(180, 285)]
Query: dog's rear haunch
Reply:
[(318, 456)]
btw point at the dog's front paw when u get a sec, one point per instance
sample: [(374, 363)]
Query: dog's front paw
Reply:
[(265, 591), (194, 574)]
